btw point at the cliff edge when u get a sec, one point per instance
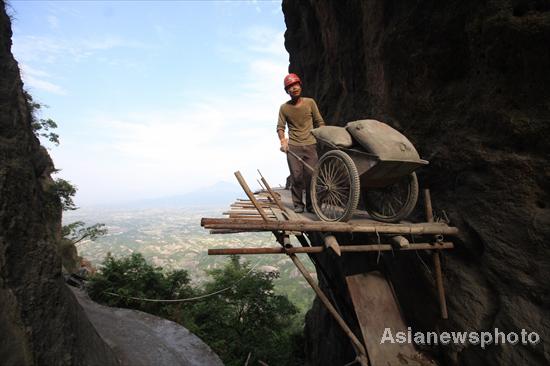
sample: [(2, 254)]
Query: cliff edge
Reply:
[(467, 82), (41, 323)]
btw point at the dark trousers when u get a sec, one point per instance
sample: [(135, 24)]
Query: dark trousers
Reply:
[(301, 175)]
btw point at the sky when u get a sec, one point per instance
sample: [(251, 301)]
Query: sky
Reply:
[(155, 98)]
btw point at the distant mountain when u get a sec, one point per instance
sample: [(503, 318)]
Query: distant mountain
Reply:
[(220, 194)]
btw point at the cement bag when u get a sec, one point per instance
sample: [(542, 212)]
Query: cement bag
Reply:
[(382, 140), (338, 136)]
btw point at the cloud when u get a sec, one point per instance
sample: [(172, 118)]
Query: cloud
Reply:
[(144, 152), (35, 78), (53, 21), (152, 153), (51, 49), (265, 40), (44, 85)]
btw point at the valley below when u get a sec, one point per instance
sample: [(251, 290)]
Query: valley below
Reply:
[(172, 238)]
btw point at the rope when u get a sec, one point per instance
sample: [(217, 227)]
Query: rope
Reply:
[(189, 298)]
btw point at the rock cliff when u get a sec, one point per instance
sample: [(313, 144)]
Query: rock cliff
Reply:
[(40, 321), (468, 83)]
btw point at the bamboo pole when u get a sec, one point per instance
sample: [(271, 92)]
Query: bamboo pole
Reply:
[(250, 195), (362, 353), (261, 185), (319, 249), (309, 226), (437, 260)]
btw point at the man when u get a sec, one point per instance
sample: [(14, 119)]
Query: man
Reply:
[(301, 115)]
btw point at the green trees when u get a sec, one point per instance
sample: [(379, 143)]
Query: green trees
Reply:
[(247, 318), (236, 312), (41, 126), (132, 276), (77, 231)]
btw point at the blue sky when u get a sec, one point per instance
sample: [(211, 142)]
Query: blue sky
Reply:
[(155, 98)]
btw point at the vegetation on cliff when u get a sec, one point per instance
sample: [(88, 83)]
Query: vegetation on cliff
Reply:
[(236, 312)]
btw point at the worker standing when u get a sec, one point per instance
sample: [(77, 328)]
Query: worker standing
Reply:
[(301, 115)]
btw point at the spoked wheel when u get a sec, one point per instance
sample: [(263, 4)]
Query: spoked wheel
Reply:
[(335, 187), (394, 202)]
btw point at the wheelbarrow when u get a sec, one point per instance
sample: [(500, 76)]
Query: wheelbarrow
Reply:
[(367, 158)]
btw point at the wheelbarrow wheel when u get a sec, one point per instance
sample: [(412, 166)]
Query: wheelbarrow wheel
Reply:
[(394, 202), (335, 187)]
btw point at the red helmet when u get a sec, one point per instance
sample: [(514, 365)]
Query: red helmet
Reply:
[(291, 79)]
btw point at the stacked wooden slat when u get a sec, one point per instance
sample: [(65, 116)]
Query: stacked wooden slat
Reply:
[(244, 210)]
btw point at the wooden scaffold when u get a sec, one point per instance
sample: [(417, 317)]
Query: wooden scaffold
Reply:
[(266, 211)]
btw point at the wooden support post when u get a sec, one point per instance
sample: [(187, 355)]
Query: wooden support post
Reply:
[(437, 260), (250, 195), (439, 281), (362, 353), (428, 206)]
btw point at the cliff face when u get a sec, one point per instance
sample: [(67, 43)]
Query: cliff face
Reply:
[(467, 82), (40, 320)]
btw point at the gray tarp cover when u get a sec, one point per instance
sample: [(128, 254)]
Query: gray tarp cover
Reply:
[(378, 138), (336, 135)]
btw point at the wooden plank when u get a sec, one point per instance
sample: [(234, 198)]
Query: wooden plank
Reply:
[(238, 205), (377, 310), (242, 211)]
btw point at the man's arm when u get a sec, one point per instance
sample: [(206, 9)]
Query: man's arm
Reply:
[(317, 119), (281, 124)]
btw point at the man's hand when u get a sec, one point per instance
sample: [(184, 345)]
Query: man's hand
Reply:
[(284, 145)]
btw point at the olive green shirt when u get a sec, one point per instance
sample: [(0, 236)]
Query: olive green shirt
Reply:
[(301, 120)]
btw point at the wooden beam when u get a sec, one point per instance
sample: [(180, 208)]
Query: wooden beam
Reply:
[(309, 226)]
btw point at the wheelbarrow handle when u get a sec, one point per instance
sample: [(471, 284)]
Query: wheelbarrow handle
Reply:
[(301, 160)]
